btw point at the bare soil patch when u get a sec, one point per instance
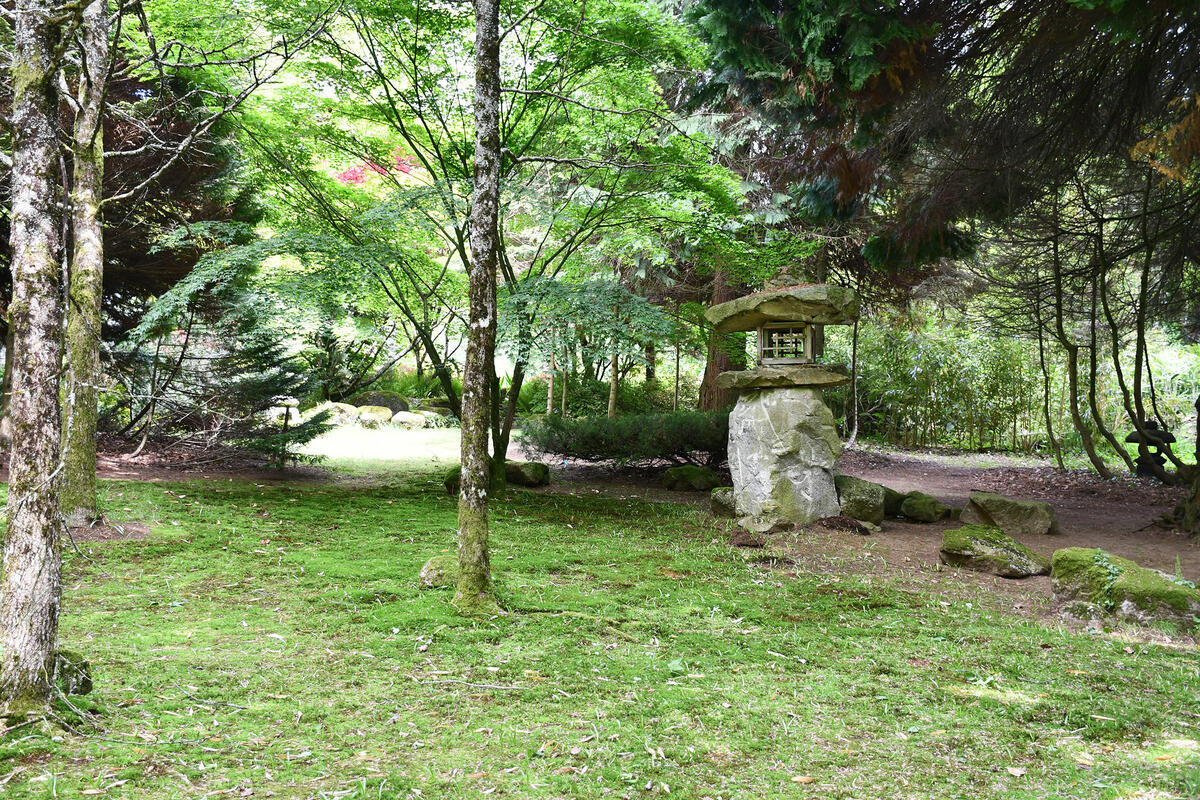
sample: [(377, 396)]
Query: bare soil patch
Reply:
[(110, 532)]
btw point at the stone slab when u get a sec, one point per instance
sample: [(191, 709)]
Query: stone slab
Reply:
[(815, 303), (784, 376)]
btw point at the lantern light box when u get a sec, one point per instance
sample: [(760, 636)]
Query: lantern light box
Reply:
[(785, 343)]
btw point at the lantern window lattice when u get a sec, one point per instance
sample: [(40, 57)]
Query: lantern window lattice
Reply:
[(785, 343)]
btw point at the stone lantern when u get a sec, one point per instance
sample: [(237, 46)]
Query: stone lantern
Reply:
[(782, 438)]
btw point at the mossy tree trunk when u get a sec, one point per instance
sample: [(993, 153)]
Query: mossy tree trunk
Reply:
[(30, 581), (474, 591), (85, 288)]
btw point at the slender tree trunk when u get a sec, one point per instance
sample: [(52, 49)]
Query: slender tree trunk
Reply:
[(852, 409), (614, 379), (85, 291), (550, 387), (1093, 369), (474, 591), (651, 364), (1072, 351), (675, 397), (30, 580), (566, 380), (1054, 444)]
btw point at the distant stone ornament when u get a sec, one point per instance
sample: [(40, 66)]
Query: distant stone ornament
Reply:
[(782, 439), (1156, 441)]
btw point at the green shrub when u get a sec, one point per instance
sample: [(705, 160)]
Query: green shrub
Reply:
[(683, 436), (408, 383)]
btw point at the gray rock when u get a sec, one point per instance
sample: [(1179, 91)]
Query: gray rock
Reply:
[(1014, 517), (923, 507), (782, 447), (1124, 589), (439, 572), (892, 500), (526, 473), (860, 499), (721, 502), (408, 419), (374, 416), (768, 377), (988, 549), (817, 303)]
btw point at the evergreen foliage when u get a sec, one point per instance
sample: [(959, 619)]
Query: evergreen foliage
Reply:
[(694, 437)]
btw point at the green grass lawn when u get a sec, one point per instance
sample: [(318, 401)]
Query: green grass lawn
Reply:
[(271, 641)]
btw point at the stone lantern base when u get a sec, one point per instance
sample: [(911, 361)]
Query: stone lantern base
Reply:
[(782, 448)]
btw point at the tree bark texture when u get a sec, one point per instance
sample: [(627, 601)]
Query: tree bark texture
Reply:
[(30, 581), (6, 388), (86, 278), (474, 590), (722, 353)]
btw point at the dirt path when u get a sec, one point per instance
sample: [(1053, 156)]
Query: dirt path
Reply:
[(1114, 515)]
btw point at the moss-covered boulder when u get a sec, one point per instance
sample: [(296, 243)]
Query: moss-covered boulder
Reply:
[(453, 480), (1123, 588), (392, 401), (526, 473), (923, 507), (374, 416), (1014, 517), (690, 478), (439, 572), (860, 499), (987, 549), (72, 672), (892, 500), (722, 503)]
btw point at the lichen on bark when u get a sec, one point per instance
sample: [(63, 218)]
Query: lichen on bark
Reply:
[(30, 580), (85, 287), (474, 596)]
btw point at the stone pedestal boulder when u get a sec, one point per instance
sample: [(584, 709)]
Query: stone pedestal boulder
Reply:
[(987, 549), (1109, 584), (861, 499), (1014, 517), (782, 447)]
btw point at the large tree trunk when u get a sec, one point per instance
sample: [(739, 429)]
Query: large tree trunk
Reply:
[(79, 503), (723, 353), (474, 591), (30, 582)]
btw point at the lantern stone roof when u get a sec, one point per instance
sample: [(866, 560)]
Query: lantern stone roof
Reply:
[(784, 376), (813, 303), (1153, 436)]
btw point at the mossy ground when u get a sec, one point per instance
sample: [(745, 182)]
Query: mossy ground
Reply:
[(271, 641)]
